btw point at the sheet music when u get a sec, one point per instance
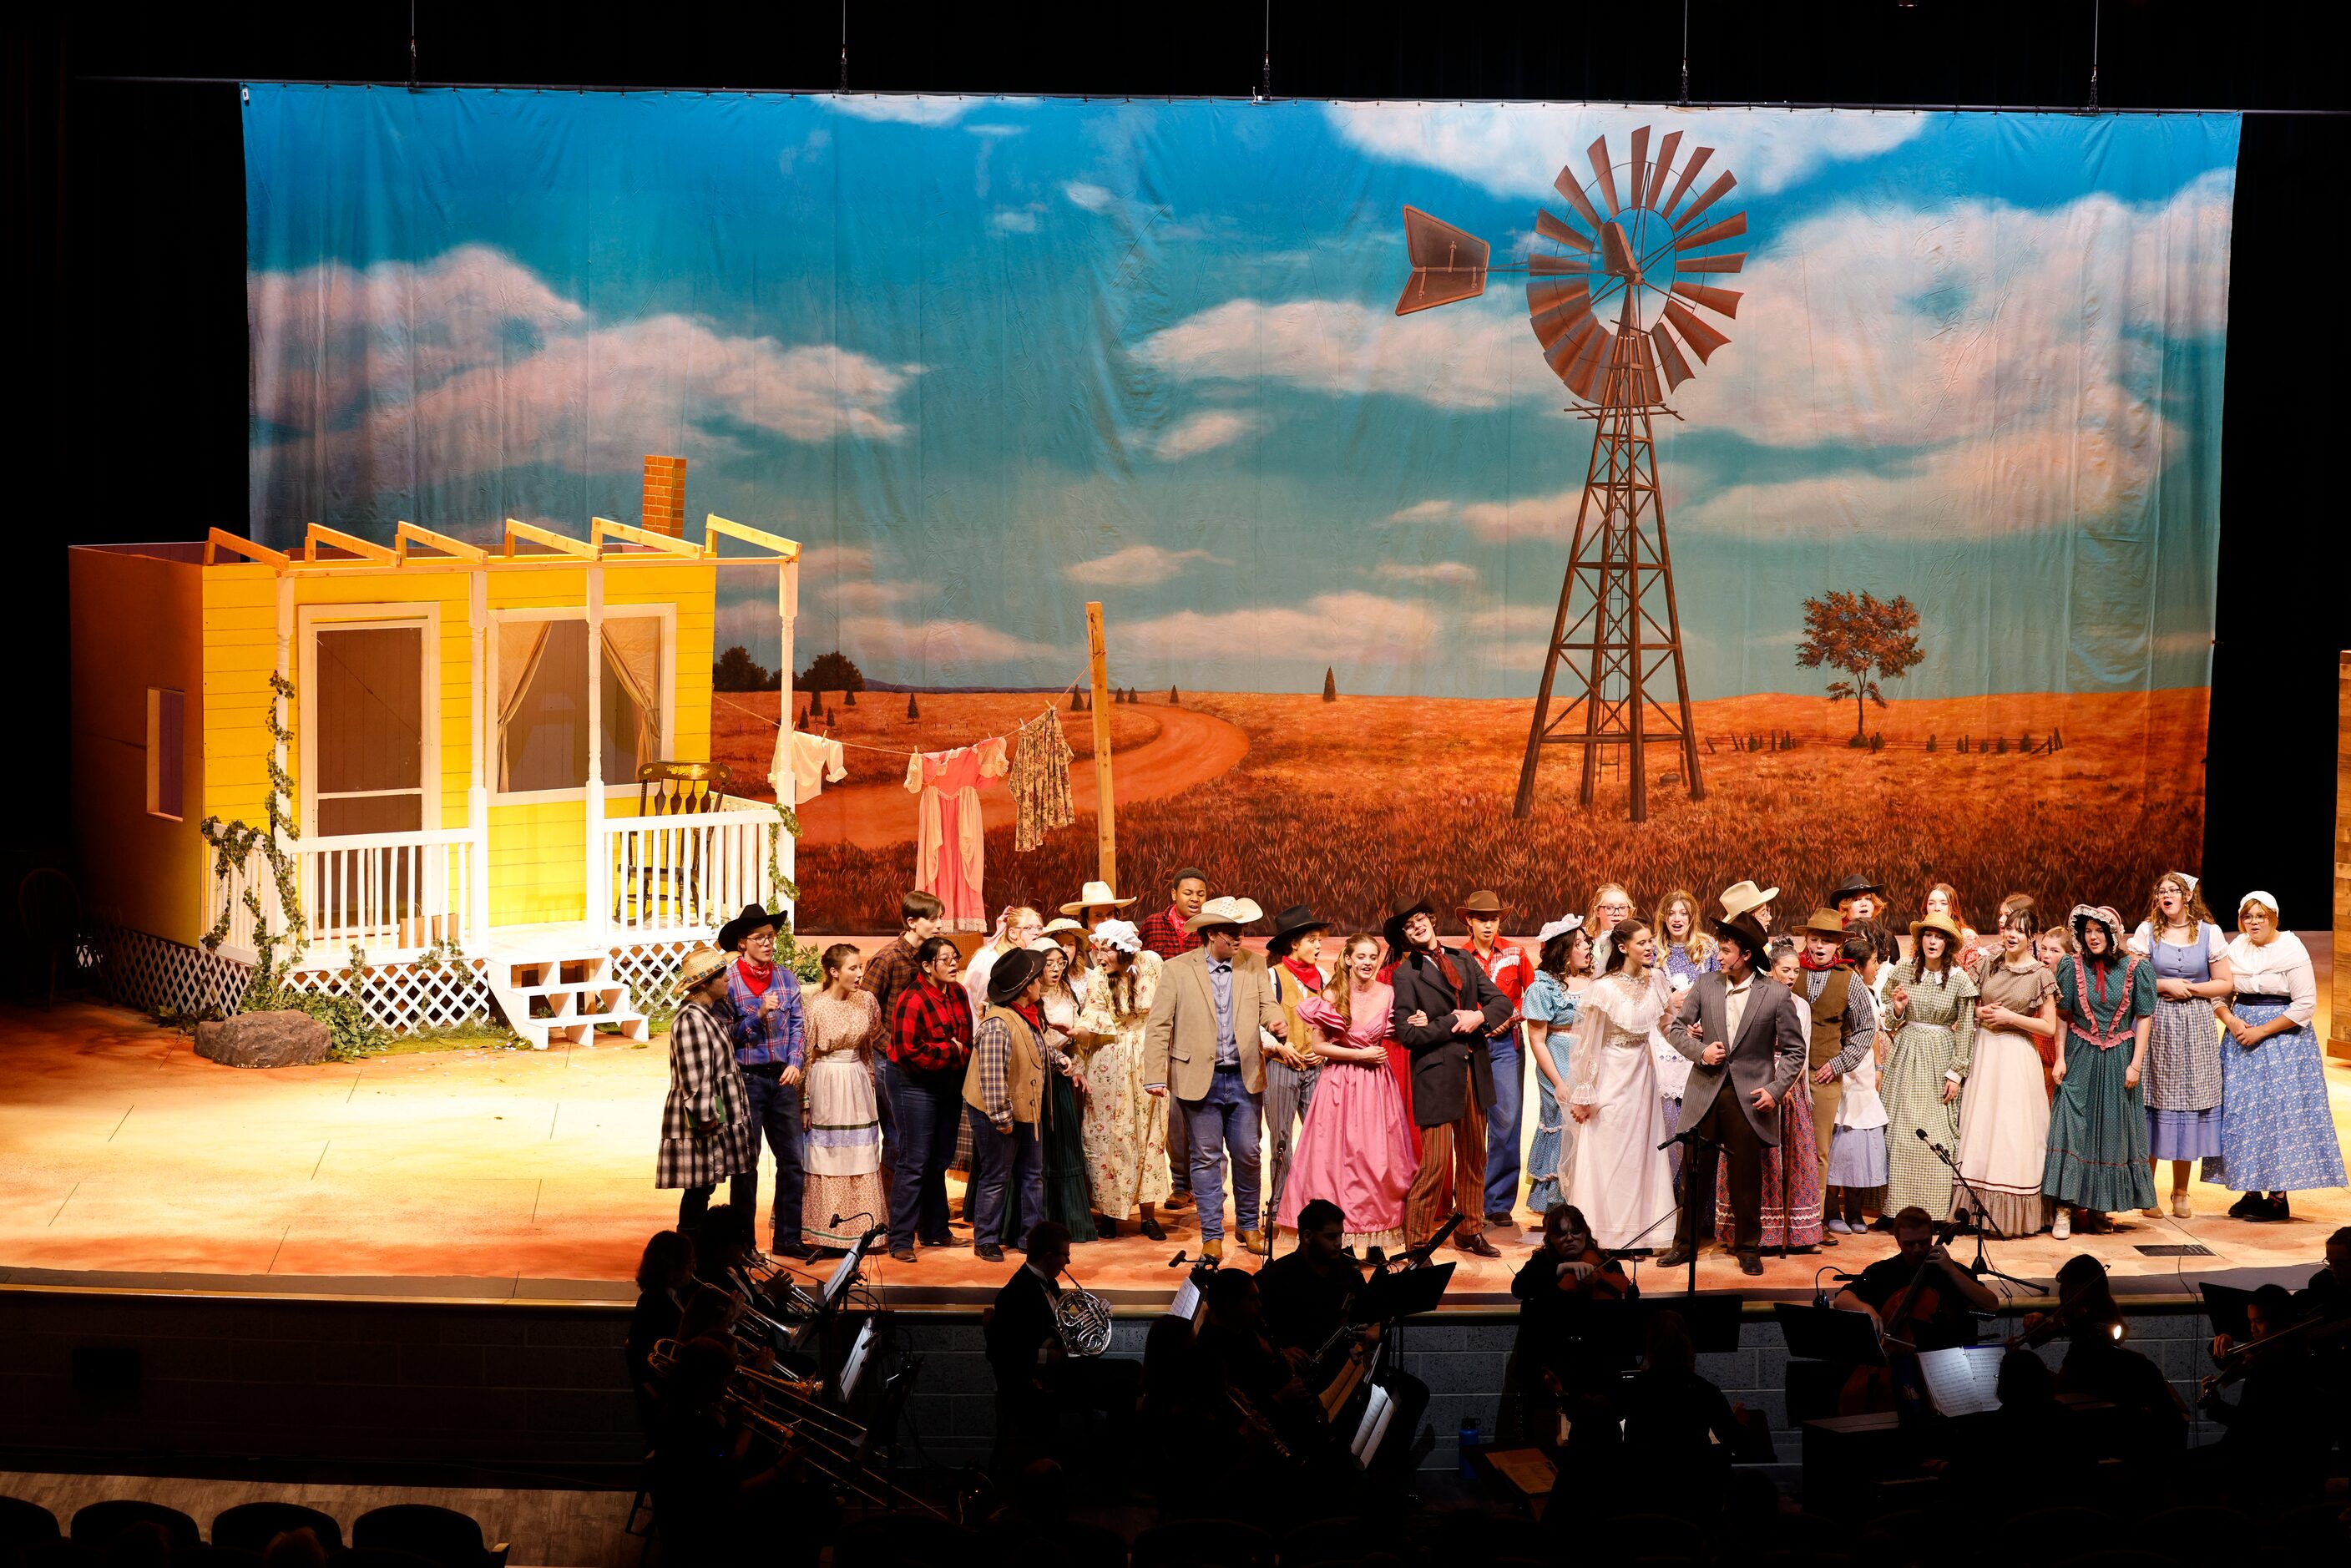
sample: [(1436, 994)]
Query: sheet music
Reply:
[(1965, 1381), (854, 1368), (1186, 1304), (1374, 1426), (1525, 1469)]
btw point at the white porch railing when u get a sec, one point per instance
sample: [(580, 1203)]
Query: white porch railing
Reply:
[(388, 893), (679, 876)]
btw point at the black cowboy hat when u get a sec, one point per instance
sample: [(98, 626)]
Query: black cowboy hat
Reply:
[(1853, 885), (1290, 925), (1405, 907), (1743, 929), (731, 934), (1014, 973)]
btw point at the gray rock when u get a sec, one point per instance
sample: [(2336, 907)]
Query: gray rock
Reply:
[(286, 1039)]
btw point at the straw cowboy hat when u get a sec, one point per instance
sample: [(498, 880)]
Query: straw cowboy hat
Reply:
[(699, 967), (1741, 896), (1055, 927), (1743, 929), (1942, 923), (1224, 911), (1096, 895), (731, 934), (1823, 922), (1290, 925), (1014, 973), (1482, 902), (1407, 905)]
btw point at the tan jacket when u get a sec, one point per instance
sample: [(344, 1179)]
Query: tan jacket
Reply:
[(1180, 1039)]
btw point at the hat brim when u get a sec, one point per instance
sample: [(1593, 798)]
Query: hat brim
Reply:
[(1074, 909), (731, 936)]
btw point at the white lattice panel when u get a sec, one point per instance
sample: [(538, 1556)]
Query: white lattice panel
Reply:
[(406, 997), (648, 968)]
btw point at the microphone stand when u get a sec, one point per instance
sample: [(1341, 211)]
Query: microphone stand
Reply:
[(1982, 1264), (1691, 1142)]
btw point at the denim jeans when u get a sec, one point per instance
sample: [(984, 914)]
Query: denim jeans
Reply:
[(776, 1111), (925, 1109), (1288, 1093), (1227, 1119), (1008, 1180), (1510, 1065)]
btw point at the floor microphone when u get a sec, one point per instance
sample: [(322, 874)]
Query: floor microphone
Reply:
[(1177, 1261)]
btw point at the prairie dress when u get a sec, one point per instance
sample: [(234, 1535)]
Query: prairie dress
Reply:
[(1069, 1196), (842, 1152), (1354, 1150), (2183, 1051), (1857, 1158), (2004, 1132), (2098, 1134), (2276, 1133), (1791, 1208), (1912, 1087), (1554, 1130), (1614, 1170)]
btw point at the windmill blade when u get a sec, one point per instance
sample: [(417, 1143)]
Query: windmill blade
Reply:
[(1552, 305), (1583, 375), (1562, 352), (1714, 193), (1564, 233), (1564, 320), (1702, 339), (1731, 228), (1697, 161), (1448, 264), (1723, 299), (1663, 167), (1638, 175), (1731, 263), (1568, 185), (1669, 356), (1598, 153), (1617, 251), (1558, 267)]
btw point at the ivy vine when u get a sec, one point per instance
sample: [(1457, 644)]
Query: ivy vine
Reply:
[(232, 843)]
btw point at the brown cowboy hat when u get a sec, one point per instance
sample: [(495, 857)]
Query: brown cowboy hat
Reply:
[(1482, 902), (1823, 922), (1942, 923)]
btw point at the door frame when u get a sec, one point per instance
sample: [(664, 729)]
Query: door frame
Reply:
[(308, 620)]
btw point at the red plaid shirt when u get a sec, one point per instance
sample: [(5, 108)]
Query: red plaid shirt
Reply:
[(1162, 932), (931, 1030)]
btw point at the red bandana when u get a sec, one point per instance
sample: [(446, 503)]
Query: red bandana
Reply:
[(1306, 975), (756, 976)]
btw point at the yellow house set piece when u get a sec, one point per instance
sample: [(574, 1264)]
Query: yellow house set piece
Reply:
[(494, 762)]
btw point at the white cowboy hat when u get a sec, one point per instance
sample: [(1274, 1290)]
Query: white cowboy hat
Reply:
[(1558, 928), (1056, 926), (1097, 895), (1741, 896), (1225, 912)]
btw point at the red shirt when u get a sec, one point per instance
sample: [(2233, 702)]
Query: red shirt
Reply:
[(1162, 932), (1509, 968), (931, 1030)]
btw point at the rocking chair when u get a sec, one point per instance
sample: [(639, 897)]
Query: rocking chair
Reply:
[(650, 887)]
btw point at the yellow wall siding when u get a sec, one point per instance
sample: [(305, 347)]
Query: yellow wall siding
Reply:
[(539, 862), (136, 622), (240, 651)]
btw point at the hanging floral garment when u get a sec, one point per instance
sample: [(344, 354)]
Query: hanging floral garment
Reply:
[(1040, 782)]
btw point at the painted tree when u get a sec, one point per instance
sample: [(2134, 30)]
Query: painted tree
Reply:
[(832, 671), (736, 670), (1330, 685), (913, 713), (1868, 639)]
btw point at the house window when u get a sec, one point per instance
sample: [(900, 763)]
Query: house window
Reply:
[(166, 753), (543, 701)]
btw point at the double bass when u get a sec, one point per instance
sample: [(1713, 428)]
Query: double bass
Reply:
[(1896, 1386)]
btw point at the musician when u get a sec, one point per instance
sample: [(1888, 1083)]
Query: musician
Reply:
[(1557, 1362), (1036, 1377), (2098, 1365), (2277, 1425), (1308, 1297), (665, 1273), (719, 1498), (722, 1257), (2329, 1291), (1247, 1410), (1921, 1297)]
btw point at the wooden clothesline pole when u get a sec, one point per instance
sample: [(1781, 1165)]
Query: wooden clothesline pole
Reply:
[(1105, 811)]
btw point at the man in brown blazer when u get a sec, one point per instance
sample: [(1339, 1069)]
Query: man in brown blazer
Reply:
[(1201, 1041)]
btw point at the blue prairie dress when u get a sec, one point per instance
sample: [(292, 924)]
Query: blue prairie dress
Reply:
[(2276, 1133), (1549, 1002), (2183, 1053)]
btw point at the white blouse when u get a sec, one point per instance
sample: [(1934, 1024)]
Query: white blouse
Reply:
[(2142, 942), (2278, 968), (1613, 1015)]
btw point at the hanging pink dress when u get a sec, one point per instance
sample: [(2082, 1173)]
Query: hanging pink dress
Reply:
[(950, 838), (1356, 1146)]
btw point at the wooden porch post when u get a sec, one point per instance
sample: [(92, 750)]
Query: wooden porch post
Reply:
[(599, 913), (788, 607), (482, 732), (273, 913), (1105, 806)]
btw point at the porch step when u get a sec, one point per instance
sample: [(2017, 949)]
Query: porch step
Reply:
[(574, 1007)]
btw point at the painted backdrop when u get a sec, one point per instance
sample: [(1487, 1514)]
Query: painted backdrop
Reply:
[(991, 358)]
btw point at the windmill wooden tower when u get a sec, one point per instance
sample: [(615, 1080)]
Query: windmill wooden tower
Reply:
[(1639, 261)]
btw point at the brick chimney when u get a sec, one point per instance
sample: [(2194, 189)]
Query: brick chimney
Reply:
[(665, 497)]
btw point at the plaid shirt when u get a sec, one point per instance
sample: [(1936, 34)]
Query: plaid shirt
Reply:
[(889, 973), (991, 1048), (1162, 932), (931, 1029), (760, 1039)]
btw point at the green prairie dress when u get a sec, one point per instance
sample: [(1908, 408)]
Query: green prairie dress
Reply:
[(2097, 1126)]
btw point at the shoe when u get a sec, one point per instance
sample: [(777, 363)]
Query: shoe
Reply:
[(1151, 1227), (1106, 1227), (1375, 1256), (2095, 1223), (1018, 1247), (2244, 1206), (2180, 1209), (1501, 1222), (1826, 1241), (1676, 1258), (1257, 1241), (902, 1255), (2152, 1212), (1177, 1200), (2063, 1226), (989, 1252), (1213, 1251), (1476, 1245), (1838, 1226), (2277, 1208), (951, 1240), (799, 1252), (1750, 1263)]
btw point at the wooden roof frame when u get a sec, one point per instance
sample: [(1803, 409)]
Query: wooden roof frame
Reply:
[(416, 546)]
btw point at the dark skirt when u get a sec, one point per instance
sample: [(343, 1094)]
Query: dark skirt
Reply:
[(1069, 1199)]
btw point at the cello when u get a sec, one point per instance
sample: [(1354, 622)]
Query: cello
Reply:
[(1895, 1385)]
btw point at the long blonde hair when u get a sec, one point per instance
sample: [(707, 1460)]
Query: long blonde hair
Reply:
[(1697, 945)]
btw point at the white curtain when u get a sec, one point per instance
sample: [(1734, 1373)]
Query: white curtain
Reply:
[(521, 645), (632, 657)]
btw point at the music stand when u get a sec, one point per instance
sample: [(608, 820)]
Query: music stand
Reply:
[(1712, 1320), (2225, 1305), (1829, 1334), (1404, 1294)]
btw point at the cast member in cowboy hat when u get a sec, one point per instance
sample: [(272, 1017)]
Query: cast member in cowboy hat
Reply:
[(1845, 1020), (1445, 1009), (1745, 898), (769, 1030), (1746, 1044), (1509, 968), (1201, 1041), (1004, 1094), (1293, 969), (1167, 931), (707, 1133), (1857, 898), (1094, 904)]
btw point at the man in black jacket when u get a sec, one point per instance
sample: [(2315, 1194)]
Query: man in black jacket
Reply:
[(1445, 1008), (1036, 1378)]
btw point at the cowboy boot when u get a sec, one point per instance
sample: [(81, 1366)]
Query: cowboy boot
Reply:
[(1213, 1251), (1255, 1241)]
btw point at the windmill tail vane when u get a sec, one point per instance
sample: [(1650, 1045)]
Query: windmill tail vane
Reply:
[(1616, 288)]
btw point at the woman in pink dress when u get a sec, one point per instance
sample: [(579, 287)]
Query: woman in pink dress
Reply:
[(1355, 1148)]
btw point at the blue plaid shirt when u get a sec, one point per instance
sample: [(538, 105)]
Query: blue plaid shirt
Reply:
[(780, 1037)]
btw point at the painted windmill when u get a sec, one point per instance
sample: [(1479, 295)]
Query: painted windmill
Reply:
[(1638, 260)]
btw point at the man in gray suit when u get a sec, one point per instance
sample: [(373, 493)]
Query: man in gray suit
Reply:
[(1744, 1033)]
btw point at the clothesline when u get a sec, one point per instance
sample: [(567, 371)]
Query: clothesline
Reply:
[(1050, 712)]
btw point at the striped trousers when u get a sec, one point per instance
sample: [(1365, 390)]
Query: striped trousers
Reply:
[(1452, 1176)]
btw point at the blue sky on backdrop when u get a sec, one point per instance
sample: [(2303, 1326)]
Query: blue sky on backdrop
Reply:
[(989, 358)]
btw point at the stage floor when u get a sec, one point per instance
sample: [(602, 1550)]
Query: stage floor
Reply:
[(127, 1159)]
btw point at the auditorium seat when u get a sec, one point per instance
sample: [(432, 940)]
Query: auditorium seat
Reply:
[(439, 1535), (101, 1522), (1653, 1535), (1204, 1543), (25, 1523), (1335, 1540), (252, 1526)]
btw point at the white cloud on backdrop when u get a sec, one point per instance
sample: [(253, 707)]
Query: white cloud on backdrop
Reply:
[(1471, 356), (1203, 432), (1341, 628), (1135, 566)]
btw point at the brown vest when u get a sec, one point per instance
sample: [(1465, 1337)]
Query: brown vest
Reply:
[(1828, 1039), (1024, 1069), (1289, 991)]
